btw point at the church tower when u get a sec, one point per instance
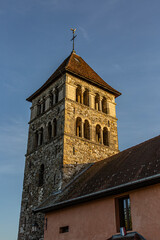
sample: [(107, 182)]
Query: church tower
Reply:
[(73, 123)]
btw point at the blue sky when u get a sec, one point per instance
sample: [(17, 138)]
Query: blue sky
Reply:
[(119, 39)]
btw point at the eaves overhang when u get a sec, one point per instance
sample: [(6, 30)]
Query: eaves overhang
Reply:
[(67, 70), (144, 182)]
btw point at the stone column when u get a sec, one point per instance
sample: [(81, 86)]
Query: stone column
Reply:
[(82, 133), (92, 100), (39, 137), (48, 101), (100, 103), (33, 111), (108, 109), (101, 136)]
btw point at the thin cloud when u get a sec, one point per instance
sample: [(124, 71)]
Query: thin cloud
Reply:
[(13, 137), (8, 169), (84, 33)]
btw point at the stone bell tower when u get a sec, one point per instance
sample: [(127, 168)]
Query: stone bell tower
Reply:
[(73, 123)]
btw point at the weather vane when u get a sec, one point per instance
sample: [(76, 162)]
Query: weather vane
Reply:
[(74, 36)]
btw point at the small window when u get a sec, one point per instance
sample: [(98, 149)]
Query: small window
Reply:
[(41, 136), (43, 106), (98, 133), (104, 105), (74, 151), (79, 127), (97, 102), (123, 213), (86, 130), (56, 95), (51, 99), (36, 138), (64, 229), (105, 137), (55, 127), (86, 97), (49, 130), (38, 108), (41, 175), (79, 94)]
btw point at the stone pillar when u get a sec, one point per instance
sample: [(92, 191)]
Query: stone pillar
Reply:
[(83, 90), (108, 109), (82, 129), (100, 103), (92, 100), (33, 111), (91, 132), (39, 137), (54, 96), (101, 136), (48, 103)]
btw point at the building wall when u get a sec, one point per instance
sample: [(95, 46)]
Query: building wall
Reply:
[(97, 219), (49, 153), (79, 150), (64, 155)]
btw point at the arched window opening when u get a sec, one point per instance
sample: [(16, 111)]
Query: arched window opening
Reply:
[(86, 130), (86, 97), (104, 105), (56, 95), (105, 136), (54, 127), (41, 175), (41, 136), (36, 139), (38, 108), (79, 94), (79, 127), (49, 130), (51, 99), (43, 106), (97, 104), (98, 133)]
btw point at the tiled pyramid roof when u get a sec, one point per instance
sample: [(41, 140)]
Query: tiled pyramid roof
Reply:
[(75, 65)]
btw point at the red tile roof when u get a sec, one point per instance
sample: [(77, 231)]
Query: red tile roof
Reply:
[(75, 65), (132, 168)]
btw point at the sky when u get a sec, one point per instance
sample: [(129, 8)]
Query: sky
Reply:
[(119, 39)]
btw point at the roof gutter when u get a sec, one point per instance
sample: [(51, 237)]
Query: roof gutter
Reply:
[(103, 193)]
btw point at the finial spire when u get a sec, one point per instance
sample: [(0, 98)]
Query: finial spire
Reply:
[(74, 36)]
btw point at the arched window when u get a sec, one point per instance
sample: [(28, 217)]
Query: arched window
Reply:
[(43, 106), (55, 127), (51, 99), (49, 130), (98, 133), (38, 108), (36, 139), (79, 94), (104, 105), (105, 136), (86, 130), (86, 97), (56, 95), (41, 175), (97, 104), (79, 127), (41, 136)]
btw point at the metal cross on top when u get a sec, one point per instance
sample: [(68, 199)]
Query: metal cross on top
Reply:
[(74, 36)]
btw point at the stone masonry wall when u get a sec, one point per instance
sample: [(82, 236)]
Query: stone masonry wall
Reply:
[(79, 151), (49, 153), (65, 154)]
